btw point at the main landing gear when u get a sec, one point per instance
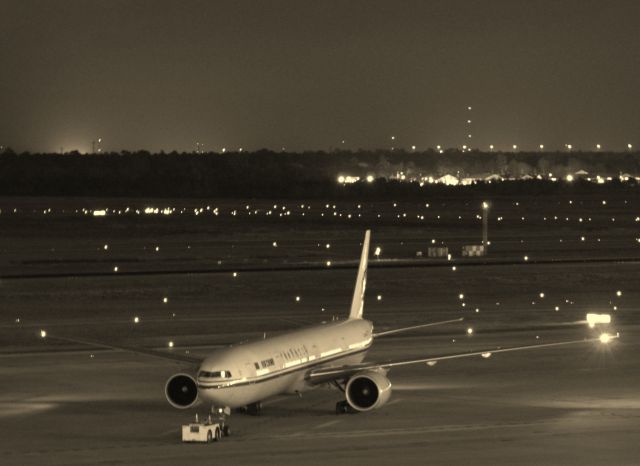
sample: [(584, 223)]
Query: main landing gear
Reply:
[(342, 407), (253, 409)]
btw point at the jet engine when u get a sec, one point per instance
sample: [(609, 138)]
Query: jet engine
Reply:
[(181, 391), (368, 390)]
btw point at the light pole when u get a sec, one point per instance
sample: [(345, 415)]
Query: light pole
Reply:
[(485, 225)]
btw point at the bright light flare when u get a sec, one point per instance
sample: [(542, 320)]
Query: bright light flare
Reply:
[(593, 319), (605, 338), (43, 333)]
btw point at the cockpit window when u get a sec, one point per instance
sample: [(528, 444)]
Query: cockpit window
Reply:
[(215, 374)]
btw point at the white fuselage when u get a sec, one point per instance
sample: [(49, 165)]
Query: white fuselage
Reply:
[(251, 372)]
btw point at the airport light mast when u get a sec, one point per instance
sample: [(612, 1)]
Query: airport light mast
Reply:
[(485, 225)]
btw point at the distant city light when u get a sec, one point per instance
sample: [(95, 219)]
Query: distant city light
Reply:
[(515, 147), (541, 146), (569, 178)]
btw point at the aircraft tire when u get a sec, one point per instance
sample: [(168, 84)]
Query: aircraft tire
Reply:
[(341, 407), (226, 430), (209, 436), (218, 435)]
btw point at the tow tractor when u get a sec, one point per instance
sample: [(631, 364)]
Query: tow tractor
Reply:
[(211, 430)]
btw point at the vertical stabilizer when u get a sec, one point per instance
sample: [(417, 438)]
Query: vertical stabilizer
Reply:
[(357, 304)]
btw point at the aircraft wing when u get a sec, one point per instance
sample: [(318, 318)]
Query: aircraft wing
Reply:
[(414, 327), (172, 356), (329, 374)]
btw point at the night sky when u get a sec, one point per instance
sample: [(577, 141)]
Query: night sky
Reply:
[(162, 75)]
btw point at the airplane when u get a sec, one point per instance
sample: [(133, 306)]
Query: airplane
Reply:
[(244, 375)]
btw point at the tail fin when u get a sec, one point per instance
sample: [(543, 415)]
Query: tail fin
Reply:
[(357, 303)]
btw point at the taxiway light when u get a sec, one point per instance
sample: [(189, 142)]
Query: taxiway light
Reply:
[(569, 178), (605, 338), (165, 300), (526, 258), (593, 319), (115, 269), (170, 344), (43, 333), (136, 319), (235, 274), (469, 331), (377, 251), (379, 297), (297, 299), (328, 263), (106, 246), (485, 205), (618, 293), (461, 296), (541, 295)]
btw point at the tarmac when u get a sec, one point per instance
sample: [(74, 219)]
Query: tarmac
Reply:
[(63, 404)]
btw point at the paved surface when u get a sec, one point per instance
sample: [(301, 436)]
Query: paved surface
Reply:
[(64, 404)]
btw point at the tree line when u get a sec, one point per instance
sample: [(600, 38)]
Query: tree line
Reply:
[(268, 174)]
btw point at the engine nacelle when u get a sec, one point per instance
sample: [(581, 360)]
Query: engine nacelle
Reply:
[(368, 390), (181, 391)]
